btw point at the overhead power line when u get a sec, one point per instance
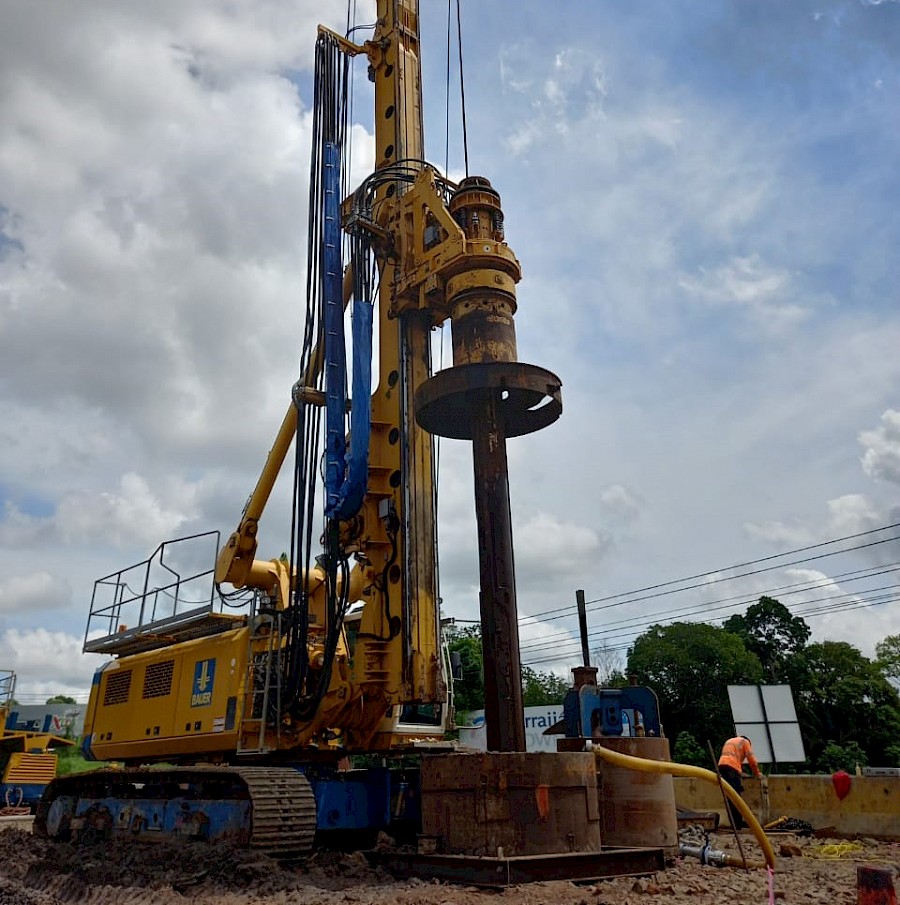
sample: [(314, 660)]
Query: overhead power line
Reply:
[(620, 599), (727, 603), (565, 644), (571, 649)]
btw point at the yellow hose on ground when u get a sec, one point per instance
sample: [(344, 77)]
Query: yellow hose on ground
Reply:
[(663, 766), (834, 851)]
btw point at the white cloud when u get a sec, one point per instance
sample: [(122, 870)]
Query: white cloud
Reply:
[(780, 534), (881, 459), (549, 549), (153, 169), (620, 504), (765, 293), (846, 516), (852, 513), (19, 530), (135, 515), (156, 215), (33, 593), (568, 89), (841, 610), (46, 663)]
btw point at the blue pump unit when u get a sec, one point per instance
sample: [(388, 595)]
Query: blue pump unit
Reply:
[(590, 711)]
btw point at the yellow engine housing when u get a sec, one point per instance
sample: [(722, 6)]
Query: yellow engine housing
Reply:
[(185, 699)]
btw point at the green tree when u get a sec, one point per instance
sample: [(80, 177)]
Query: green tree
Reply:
[(844, 697), (689, 665), (540, 688), (616, 679), (688, 751), (468, 685), (892, 755), (770, 631), (61, 699), (841, 757), (887, 656)]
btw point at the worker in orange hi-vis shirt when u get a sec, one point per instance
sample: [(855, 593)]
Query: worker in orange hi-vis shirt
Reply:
[(731, 762)]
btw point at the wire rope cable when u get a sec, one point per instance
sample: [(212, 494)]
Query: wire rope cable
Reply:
[(462, 87)]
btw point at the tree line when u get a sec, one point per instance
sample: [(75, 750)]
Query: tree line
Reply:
[(847, 707)]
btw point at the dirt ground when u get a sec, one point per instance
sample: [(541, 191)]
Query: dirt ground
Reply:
[(35, 872)]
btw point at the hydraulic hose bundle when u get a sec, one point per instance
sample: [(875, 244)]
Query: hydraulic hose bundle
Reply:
[(345, 478)]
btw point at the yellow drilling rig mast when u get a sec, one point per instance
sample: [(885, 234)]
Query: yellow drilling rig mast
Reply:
[(335, 648)]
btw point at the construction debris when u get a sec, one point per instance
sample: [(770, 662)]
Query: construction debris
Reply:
[(33, 872)]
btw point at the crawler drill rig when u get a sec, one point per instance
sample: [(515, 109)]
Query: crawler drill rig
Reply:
[(339, 652)]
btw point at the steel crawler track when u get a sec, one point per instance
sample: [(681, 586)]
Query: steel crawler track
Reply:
[(283, 814), (268, 809)]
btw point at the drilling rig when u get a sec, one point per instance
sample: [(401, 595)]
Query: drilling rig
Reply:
[(337, 651)]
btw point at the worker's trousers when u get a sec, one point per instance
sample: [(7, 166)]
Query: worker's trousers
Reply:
[(733, 778)]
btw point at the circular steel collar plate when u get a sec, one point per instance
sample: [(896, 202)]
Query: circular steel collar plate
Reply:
[(528, 398)]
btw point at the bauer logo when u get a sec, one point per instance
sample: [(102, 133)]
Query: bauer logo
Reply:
[(204, 676)]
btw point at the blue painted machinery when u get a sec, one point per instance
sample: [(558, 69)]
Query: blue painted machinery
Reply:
[(591, 712), (257, 806)]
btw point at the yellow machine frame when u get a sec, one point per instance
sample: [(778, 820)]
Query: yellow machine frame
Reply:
[(390, 664)]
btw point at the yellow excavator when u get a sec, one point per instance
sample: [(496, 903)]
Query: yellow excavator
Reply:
[(253, 680), (27, 759)]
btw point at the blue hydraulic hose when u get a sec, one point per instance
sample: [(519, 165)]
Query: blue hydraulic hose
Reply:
[(345, 482), (335, 353)]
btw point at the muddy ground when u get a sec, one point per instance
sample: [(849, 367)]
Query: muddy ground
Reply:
[(34, 872)]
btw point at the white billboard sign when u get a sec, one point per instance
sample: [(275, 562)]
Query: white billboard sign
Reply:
[(766, 715), (537, 719)]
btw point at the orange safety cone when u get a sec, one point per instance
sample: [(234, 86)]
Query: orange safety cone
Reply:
[(874, 886)]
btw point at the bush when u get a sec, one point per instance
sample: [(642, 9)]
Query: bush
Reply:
[(892, 755), (687, 750), (71, 760), (841, 757)]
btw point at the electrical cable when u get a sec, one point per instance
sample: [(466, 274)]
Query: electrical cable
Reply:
[(839, 602), (844, 606), (743, 600), (607, 600), (812, 608)]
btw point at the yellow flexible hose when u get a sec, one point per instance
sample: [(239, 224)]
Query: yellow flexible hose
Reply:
[(645, 765)]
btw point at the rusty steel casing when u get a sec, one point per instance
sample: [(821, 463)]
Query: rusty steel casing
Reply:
[(511, 804), (481, 301), (488, 396), (482, 328), (637, 809), (527, 399)]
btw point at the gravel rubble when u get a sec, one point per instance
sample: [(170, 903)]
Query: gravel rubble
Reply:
[(36, 872)]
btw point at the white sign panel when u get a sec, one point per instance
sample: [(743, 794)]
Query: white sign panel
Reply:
[(537, 719), (766, 715)]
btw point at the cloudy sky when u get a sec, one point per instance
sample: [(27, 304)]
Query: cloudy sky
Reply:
[(704, 199)]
